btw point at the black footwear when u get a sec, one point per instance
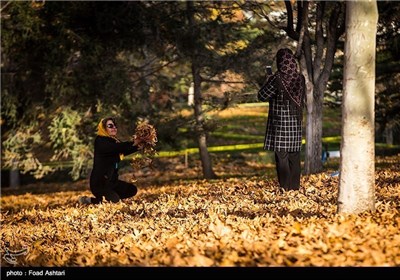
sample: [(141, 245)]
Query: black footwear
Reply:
[(84, 200)]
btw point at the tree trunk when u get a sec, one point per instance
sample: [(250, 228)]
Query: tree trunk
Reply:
[(14, 176), (388, 134), (201, 132), (316, 62), (313, 153), (357, 161), (145, 107), (201, 135)]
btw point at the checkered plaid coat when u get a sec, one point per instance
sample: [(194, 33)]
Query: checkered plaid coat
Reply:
[(284, 130)]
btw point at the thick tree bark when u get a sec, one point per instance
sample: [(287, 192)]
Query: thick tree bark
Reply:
[(313, 163), (357, 161)]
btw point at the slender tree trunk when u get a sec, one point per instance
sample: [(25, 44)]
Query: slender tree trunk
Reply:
[(145, 85), (389, 135), (357, 161), (14, 176), (201, 134), (309, 127)]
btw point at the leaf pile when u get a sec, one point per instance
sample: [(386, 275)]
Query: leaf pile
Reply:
[(145, 138), (246, 221)]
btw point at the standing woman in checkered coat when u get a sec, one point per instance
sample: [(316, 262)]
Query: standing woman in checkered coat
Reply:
[(285, 92)]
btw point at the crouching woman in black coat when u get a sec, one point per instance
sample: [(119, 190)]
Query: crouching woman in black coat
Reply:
[(108, 152)]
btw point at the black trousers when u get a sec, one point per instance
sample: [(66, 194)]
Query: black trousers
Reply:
[(288, 169), (118, 191)]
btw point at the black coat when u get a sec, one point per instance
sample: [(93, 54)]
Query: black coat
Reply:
[(106, 161)]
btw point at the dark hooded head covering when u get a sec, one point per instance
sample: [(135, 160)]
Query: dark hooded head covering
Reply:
[(289, 80)]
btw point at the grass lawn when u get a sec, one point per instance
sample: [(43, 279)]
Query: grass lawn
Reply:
[(245, 124)]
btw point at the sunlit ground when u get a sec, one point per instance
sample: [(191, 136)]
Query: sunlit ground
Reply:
[(177, 219)]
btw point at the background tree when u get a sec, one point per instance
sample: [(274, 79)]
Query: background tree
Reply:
[(357, 161), (210, 36), (387, 105), (318, 48), (195, 60), (316, 28), (65, 57)]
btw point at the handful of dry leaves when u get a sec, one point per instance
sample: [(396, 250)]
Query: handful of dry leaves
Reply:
[(145, 138)]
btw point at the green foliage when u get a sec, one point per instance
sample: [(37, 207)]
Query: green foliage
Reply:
[(20, 22), (17, 151), (9, 105), (26, 147), (68, 143)]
